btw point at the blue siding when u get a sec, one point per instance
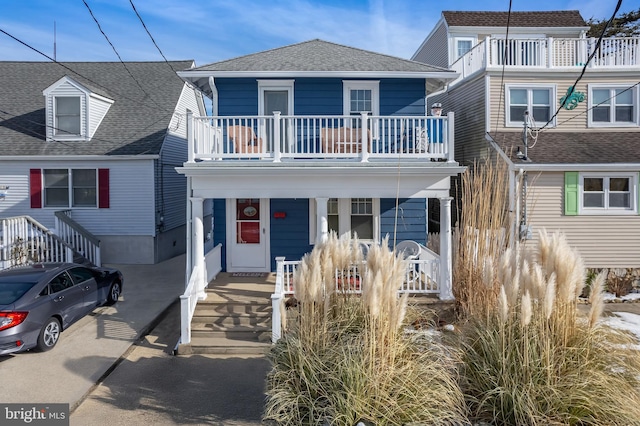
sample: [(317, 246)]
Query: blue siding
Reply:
[(321, 96), (289, 236), (411, 219), (220, 228), (402, 97)]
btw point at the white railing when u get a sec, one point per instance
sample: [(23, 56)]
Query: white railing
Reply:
[(188, 302), (74, 234), (549, 52), (289, 138), (24, 240), (213, 262), (422, 277)]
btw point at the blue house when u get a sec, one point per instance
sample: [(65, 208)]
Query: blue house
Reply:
[(311, 138)]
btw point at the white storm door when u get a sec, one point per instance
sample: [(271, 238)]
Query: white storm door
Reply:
[(248, 235)]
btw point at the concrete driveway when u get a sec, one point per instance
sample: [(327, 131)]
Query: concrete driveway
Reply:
[(89, 348)]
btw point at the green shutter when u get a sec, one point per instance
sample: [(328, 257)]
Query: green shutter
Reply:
[(571, 193)]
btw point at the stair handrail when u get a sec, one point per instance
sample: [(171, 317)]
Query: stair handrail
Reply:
[(26, 240), (84, 242)]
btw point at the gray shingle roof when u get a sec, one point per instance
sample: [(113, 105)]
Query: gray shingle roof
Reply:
[(319, 55), (553, 18), (575, 148), (135, 124)]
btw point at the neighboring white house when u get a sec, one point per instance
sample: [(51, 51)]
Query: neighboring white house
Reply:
[(99, 141), (581, 166)]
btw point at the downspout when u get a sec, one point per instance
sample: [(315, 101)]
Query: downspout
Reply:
[(214, 97)]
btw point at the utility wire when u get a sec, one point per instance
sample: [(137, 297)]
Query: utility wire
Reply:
[(150, 36), (117, 54), (80, 75), (584, 68), (504, 54)]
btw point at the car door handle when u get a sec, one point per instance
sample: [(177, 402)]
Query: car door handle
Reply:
[(86, 287), (59, 298)]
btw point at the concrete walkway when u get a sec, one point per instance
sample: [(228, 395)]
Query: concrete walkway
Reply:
[(91, 347)]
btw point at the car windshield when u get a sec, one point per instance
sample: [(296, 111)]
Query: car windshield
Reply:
[(12, 291)]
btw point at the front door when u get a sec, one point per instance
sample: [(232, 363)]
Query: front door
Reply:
[(248, 235), (276, 95)]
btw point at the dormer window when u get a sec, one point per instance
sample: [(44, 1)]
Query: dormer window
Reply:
[(73, 110), (67, 115)]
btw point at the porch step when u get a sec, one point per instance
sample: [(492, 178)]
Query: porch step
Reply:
[(235, 318)]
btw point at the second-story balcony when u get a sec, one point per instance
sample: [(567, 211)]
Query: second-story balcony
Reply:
[(553, 53), (280, 138)]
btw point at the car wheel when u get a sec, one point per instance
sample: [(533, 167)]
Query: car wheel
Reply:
[(114, 293), (49, 335)]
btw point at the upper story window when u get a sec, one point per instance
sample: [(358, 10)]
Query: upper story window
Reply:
[(67, 115), (361, 96), (70, 187), (462, 46), (538, 100), (612, 106), (613, 193)]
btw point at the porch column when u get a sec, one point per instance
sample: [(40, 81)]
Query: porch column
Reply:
[(322, 233), (446, 262), (197, 212)]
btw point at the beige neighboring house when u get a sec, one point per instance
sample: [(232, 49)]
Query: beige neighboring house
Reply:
[(580, 166)]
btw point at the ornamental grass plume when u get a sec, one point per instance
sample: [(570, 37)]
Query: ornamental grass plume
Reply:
[(348, 360), (535, 361)]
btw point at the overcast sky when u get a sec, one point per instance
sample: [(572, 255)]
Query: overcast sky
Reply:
[(213, 30)]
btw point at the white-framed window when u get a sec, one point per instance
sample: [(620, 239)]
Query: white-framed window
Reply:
[(612, 106), (538, 100), (462, 45), (349, 216), (70, 187), (67, 121), (361, 96), (608, 193)]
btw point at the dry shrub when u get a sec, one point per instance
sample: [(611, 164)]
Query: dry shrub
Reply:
[(620, 281), (481, 236), (346, 359), (534, 361)]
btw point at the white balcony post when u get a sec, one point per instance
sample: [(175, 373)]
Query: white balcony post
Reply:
[(450, 137), (322, 220), (197, 210), (550, 56), (489, 52), (364, 137), (276, 302), (446, 258), (277, 143), (190, 140)]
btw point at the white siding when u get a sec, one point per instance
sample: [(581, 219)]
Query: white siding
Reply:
[(603, 241), (97, 110), (131, 196)]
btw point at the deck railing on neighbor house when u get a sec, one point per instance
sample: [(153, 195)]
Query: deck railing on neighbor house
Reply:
[(289, 138), (74, 234), (422, 277), (25, 240), (549, 52)]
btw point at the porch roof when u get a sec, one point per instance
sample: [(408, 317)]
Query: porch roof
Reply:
[(589, 148)]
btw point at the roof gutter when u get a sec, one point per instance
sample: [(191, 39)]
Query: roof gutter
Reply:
[(79, 157), (442, 75)]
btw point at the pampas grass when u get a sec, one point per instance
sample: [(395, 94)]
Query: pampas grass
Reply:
[(535, 361), (346, 359)]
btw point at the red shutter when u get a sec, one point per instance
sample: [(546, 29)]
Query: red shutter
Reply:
[(35, 188), (103, 188)]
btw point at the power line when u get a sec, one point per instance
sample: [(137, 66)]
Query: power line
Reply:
[(118, 55), (80, 75), (150, 36), (584, 68), (504, 54)]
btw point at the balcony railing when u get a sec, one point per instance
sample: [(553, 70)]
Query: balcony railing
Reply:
[(289, 138), (549, 53)]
